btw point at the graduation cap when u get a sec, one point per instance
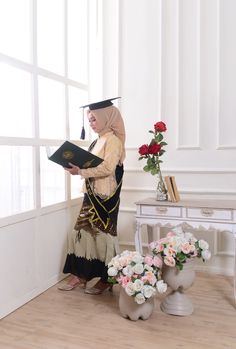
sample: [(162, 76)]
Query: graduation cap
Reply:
[(100, 105), (94, 106)]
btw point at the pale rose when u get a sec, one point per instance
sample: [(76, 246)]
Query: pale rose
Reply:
[(161, 286), (192, 248), (186, 248), (129, 289), (170, 261), (188, 236), (138, 285), (148, 268), (138, 268), (169, 251), (203, 244), (150, 278), (148, 260), (148, 291), (178, 231), (123, 280), (112, 271), (127, 270), (170, 234), (139, 298), (152, 245), (206, 255), (137, 258), (157, 261)]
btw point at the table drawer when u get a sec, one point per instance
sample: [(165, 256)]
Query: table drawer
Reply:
[(161, 211), (210, 213)]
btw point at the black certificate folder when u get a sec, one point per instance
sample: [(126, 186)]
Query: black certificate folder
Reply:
[(69, 152)]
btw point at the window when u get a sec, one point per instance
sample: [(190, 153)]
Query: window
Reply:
[(45, 74)]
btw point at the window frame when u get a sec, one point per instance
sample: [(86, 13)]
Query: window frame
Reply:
[(94, 10)]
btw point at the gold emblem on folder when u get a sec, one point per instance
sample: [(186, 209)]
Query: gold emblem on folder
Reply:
[(87, 164), (68, 154)]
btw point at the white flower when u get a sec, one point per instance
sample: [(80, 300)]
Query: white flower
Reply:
[(161, 286), (138, 285), (137, 258), (203, 244), (112, 271), (128, 271), (139, 298), (138, 268), (129, 289), (188, 236), (206, 255), (148, 291)]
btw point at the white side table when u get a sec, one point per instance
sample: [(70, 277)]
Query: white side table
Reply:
[(202, 214)]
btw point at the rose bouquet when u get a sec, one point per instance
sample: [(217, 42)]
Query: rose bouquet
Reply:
[(140, 276), (154, 150), (178, 247)]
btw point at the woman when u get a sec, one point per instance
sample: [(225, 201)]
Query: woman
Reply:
[(93, 242)]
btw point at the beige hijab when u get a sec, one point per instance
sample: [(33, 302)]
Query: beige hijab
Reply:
[(109, 119)]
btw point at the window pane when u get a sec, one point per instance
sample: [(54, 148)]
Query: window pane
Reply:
[(16, 185), (77, 98), (51, 35), (76, 186), (15, 106), (52, 180), (51, 109), (77, 40), (15, 28)]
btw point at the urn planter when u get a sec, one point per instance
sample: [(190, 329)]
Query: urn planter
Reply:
[(132, 310)]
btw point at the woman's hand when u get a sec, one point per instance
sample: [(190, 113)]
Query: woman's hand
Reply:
[(74, 170)]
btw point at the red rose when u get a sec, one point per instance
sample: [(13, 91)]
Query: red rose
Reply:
[(160, 126), (154, 148), (143, 150)]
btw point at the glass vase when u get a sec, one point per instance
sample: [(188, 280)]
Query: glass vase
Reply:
[(161, 191)]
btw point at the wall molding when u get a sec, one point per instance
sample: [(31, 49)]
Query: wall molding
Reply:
[(187, 170)]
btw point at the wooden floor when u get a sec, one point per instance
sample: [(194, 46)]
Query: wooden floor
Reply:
[(74, 320)]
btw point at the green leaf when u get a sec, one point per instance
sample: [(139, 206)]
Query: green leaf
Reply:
[(146, 168), (154, 171)]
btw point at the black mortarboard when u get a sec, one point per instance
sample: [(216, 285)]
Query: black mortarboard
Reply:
[(99, 105)]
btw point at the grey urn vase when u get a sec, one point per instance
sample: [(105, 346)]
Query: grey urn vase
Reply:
[(177, 302), (132, 310)]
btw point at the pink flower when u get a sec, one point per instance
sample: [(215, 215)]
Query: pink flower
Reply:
[(148, 260), (123, 280), (186, 248), (157, 261), (170, 261)]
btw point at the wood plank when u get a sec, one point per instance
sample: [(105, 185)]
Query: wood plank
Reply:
[(69, 320)]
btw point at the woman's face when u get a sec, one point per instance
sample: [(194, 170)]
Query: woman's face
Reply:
[(93, 122)]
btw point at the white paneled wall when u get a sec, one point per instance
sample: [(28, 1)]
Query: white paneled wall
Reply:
[(177, 64)]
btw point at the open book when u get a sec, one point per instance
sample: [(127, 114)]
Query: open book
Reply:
[(69, 152), (172, 188)]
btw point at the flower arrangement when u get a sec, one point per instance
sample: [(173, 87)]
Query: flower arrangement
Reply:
[(140, 276), (178, 247), (154, 150)]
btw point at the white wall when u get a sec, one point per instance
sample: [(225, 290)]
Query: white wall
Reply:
[(32, 255), (177, 64)]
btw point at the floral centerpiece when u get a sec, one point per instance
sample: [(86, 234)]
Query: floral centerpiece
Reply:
[(179, 247), (152, 152), (140, 276)]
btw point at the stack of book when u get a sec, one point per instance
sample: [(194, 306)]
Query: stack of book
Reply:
[(172, 188)]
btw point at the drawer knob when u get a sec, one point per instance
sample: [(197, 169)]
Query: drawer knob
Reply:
[(206, 212), (162, 209)]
